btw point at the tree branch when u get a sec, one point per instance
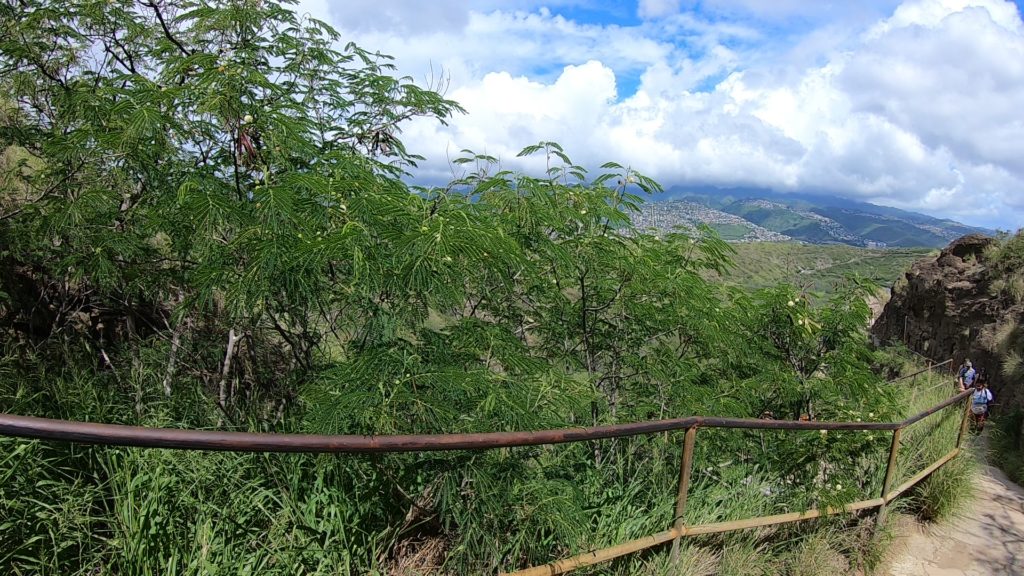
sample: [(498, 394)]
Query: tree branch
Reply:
[(127, 65), (172, 361), (167, 31), (222, 390)]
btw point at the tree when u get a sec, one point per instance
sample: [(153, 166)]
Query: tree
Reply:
[(222, 156)]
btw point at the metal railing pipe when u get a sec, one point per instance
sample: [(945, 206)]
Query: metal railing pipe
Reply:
[(928, 369), (219, 440), (216, 440)]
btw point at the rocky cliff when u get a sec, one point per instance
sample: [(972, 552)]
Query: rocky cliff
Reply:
[(948, 307)]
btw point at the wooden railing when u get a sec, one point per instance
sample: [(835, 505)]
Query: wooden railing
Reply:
[(120, 435), (913, 375), (680, 530)]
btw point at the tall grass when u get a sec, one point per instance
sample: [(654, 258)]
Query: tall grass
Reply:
[(945, 493), (819, 267), (69, 509), (1008, 444), (131, 511)]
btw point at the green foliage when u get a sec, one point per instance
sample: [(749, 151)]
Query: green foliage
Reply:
[(1008, 254), (745, 557), (226, 153), (1006, 260), (818, 555), (1008, 444), (946, 493), (132, 512)]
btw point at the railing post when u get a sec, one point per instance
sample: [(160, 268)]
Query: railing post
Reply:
[(684, 488), (890, 471), (963, 423)]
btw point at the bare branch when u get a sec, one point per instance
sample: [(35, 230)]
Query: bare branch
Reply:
[(167, 31), (172, 361), (222, 388)]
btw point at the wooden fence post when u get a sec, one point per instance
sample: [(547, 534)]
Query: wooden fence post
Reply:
[(684, 487), (963, 423), (890, 471)]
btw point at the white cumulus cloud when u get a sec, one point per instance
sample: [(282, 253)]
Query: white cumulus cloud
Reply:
[(918, 110), (657, 8)]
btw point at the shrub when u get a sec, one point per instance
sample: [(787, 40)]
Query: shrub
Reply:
[(1008, 444)]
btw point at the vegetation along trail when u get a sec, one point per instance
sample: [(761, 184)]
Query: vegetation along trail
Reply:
[(206, 223), (989, 540)]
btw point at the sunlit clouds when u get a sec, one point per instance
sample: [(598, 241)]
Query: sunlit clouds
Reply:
[(914, 105)]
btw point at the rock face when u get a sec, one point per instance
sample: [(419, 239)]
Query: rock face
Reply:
[(945, 309)]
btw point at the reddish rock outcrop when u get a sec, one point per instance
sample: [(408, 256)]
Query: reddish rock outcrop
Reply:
[(945, 308)]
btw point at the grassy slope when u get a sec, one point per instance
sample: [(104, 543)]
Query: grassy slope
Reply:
[(731, 231), (893, 232), (817, 267), (1006, 261)]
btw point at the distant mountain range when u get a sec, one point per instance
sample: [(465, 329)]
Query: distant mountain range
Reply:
[(757, 215)]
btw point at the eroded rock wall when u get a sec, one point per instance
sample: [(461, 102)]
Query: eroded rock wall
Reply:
[(945, 308)]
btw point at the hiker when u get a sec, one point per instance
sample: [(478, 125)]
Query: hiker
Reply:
[(966, 376), (983, 378), (980, 400)]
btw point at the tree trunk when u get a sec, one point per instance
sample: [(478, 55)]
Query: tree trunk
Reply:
[(222, 387)]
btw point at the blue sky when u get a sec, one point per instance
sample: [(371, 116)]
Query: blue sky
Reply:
[(910, 104)]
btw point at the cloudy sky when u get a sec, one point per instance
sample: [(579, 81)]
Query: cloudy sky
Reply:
[(917, 105)]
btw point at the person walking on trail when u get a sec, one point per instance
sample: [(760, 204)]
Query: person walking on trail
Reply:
[(982, 378), (980, 400), (966, 376)]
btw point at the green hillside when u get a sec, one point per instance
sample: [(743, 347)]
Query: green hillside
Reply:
[(831, 219), (731, 232), (782, 219), (818, 267), (776, 219), (879, 229)]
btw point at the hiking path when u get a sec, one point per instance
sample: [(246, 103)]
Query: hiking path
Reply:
[(987, 541)]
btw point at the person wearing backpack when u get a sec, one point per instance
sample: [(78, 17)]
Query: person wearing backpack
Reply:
[(966, 376), (980, 400), (983, 378)]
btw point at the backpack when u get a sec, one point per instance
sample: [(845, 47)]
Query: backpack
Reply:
[(980, 400)]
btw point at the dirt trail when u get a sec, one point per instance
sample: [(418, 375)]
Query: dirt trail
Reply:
[(988, 541)]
